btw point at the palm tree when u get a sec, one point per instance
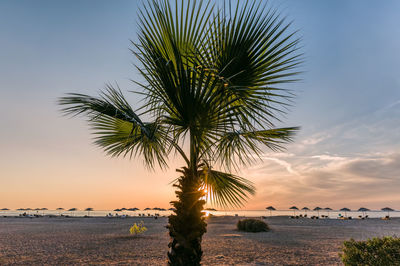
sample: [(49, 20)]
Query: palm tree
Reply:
[(212, 95)]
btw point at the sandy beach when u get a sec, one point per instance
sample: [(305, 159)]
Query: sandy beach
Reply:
[(58, 240)]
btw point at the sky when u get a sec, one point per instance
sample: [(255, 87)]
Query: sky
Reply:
[(347, 153)]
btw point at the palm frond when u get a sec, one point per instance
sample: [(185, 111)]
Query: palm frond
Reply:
[(254, 51), (245, 146), (118, 130), (225, 189)]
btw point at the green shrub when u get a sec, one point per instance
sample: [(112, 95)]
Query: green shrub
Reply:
[(375, 251), (252, 225)]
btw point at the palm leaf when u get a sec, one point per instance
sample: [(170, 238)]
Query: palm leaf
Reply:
[(118, 130), (225, 189), (245, 146)]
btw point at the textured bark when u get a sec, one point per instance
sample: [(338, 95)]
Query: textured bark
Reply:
[(187, 225)]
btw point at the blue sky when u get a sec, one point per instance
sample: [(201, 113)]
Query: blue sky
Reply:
[(348, 105)]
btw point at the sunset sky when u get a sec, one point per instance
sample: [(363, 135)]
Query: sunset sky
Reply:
[(347, 153)]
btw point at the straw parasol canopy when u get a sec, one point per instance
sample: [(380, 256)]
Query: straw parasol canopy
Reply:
[(88, 210), (270, 208), (72, 210), (59, 209), (147, 209), (387, 209), (117, 210), (305, 209), (5, 209), (317, 209), (363, 210), (133, 209), (345, 210), (328, 209), (43, 209), (294, 208), (172, 209)]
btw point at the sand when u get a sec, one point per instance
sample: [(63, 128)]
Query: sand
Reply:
[(25, 241)]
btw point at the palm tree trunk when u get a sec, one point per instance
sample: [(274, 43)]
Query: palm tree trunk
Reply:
[(187, 225)]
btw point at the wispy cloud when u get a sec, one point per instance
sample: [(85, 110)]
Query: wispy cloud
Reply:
[(356, 162)]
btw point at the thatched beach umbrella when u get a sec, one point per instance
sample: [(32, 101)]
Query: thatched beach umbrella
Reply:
[(172, 209), (270, 208), (5, 209), (133, 209), (345, 210), (294, 208), (305, 209), (328, 209), (147, 209), (117, 210), (387, 209), (43, 209), (59, 209), (88, 210), (363, 210), (72, 210), (317, 209)]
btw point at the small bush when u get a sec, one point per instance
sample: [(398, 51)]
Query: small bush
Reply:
[(375, 251), (137, 229), (252, 225)]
